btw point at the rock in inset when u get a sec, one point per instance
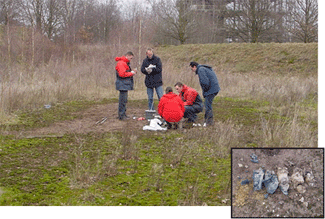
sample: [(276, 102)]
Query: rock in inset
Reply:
[(254, 158), (270, 182), (296, 177), (310, 179), (283, 180), (301, 189), (258, 179)]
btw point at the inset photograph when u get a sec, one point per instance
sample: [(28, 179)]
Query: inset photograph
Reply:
[(277, 182)]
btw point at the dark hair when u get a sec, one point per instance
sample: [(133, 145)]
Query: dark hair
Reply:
[(192, 64), (169, 89), (179, 84), (129, 53)]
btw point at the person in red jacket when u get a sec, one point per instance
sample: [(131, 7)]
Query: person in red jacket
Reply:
[(124, 82), (192, 101), (171, 108)]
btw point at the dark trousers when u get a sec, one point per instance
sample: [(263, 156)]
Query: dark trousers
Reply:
[(208, 109), (123, 99), (192, 111)]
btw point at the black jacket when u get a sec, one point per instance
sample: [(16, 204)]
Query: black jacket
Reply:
[(154, 79)]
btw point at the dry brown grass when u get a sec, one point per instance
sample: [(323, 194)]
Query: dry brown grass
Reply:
[(91, 74)]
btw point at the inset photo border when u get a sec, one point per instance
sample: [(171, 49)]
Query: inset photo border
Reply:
[(277, 182)]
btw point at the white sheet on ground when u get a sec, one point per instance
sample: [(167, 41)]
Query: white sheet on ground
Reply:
[(154, 126)]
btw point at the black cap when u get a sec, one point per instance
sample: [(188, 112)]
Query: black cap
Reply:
[(192, 64)]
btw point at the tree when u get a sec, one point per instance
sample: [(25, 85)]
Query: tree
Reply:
[(8, 11), (305, 20), (51, 18), (251, 19), (175, 19)]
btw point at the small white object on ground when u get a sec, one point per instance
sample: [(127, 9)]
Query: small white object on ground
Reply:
[(154, 126)]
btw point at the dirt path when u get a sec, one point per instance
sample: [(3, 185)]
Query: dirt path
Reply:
[(88, 120)]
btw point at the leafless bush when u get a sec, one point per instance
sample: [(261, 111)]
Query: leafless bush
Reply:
[(289, 132), (274, 89)]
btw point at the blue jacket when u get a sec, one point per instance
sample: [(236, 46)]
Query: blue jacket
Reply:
[(154, 79), (208, 80)]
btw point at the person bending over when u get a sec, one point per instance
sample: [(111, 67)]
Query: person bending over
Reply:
[(171, 108), (192, 101)]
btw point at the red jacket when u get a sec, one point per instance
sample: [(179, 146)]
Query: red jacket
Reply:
[(122, 67), (188, 95), (171, 107)]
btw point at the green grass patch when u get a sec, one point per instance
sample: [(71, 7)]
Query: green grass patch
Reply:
[(132, 167), (153, 171)]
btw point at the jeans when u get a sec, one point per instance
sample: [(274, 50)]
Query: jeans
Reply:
[(208, 117), (160, 93), (191, 111), (123, 99)]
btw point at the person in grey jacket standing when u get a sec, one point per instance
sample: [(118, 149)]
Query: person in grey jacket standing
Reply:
[(152, 68), (124, 82), (210, 87)]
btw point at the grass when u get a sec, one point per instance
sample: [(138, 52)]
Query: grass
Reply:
[(149, 171), (132, 167), (268, 98)]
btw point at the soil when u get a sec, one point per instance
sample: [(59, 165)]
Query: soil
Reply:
[(88, 120), (249, 203)]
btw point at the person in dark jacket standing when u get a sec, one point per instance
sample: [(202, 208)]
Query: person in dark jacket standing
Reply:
[(210, 87), (152, 68), (124, 82), (192, 101), (171, 108)]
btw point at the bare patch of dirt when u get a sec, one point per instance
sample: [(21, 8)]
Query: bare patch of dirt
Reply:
[(88, 120), (249, 203)]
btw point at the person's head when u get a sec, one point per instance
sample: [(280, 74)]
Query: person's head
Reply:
[(149, 53), (129, 55), (168, 90), (193, 66), (178, 87)]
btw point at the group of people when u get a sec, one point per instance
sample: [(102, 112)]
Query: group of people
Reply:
[(172, 107)]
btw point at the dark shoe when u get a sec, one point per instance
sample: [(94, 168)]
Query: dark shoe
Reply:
[(124, 118)]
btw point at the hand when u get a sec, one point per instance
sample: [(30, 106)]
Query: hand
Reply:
[(134, 72)]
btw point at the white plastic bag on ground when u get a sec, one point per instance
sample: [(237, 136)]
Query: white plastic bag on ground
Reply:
[(154, 126)]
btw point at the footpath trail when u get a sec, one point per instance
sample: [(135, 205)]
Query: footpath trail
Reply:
[(88, 121)]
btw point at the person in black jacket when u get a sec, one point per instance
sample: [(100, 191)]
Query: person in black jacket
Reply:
[(210, 87), (152, 68)]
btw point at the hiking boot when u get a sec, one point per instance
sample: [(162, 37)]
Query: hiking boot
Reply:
[(124, 118)]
